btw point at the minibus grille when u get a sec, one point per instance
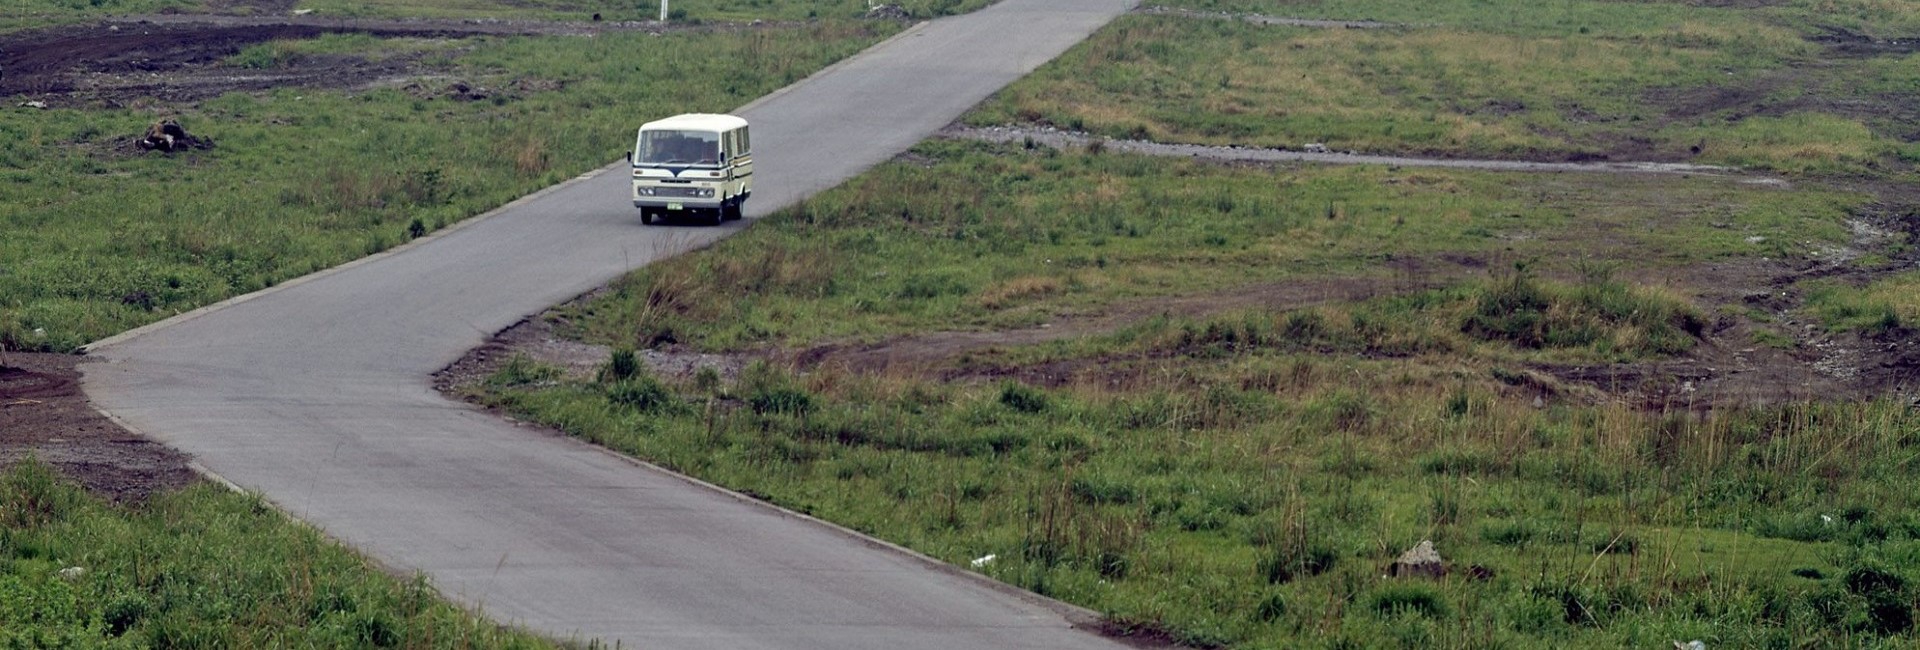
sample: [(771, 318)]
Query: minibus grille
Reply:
[(676, 191)]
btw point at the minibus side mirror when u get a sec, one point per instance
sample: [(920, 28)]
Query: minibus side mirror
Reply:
[(629, 156)]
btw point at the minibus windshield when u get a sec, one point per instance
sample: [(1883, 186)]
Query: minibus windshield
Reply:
[(678, 148)]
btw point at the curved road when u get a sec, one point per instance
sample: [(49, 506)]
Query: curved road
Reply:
[(316, 394)]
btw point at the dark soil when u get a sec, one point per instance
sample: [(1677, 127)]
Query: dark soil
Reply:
[(44, 414), (179, 58)]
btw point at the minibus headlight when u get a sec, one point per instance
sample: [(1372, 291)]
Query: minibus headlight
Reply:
[(644, 191)]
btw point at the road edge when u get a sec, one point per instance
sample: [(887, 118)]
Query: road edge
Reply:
[(197, 312)]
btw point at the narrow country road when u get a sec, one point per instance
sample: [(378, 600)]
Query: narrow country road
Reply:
[(316, 394)]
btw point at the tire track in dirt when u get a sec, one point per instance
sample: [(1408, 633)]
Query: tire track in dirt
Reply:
[(1058, 139), (1259, 19)]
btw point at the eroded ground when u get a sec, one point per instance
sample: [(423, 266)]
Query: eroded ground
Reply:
[(44, 413)]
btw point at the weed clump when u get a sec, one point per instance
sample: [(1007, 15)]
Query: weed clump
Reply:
[(644, 394), (1022, 398), (1601, 314), (1420, 600), (622, 365)]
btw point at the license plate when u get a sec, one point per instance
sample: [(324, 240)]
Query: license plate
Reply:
[(673, 206)]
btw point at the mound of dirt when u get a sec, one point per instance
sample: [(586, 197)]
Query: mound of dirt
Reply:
[(168, 136)]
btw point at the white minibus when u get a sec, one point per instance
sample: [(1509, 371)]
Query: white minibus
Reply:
[(697, 165)]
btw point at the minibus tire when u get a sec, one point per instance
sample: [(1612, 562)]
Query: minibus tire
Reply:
[(719, 216), (646, 217)]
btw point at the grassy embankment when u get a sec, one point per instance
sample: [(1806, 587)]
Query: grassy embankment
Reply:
[(1244, 479), (101, 238), (1574, 80), (202, 568)]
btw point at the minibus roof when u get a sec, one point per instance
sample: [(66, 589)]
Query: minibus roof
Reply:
[(695, 122)]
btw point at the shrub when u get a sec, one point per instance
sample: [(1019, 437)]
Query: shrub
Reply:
[(790, 401), (622, 365), (642, 393), (1023, 398)]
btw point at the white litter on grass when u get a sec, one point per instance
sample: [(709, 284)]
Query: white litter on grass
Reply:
[(73, 573), (1826, 519), (35, 104), (1690, 645), (983, 560), (302, 12)]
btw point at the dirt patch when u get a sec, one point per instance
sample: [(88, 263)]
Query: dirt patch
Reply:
[(1313, 153), (181, 58), (1258, 19), (1844, 43), (43, 413)]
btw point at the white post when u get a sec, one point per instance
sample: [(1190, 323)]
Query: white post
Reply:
[(663, 11)]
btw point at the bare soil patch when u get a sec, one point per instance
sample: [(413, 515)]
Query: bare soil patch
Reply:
[(179, 58), (43, 413)]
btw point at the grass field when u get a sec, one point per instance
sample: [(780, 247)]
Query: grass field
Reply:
[(1243, 479), (35, 13), (1675, 82), (102, 238), (1255, 499), (202, 568), (996, 237)]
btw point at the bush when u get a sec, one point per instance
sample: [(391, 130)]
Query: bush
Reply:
[(644, 394), (622, 365), (790, 401), (1023, 398)]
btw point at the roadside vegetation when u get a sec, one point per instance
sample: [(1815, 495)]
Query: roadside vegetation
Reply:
[(1621, 81), (996, 237), (1243, 477), (1873, 17), (102, 237), (201, 568)]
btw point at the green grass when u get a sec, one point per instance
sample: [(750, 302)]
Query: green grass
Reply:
[(1887, 305), (36, 13), (996, 237), (206, 568), (101, 238), (1255, 499), (1739, 89), (1244, 479), (682, 10), (1881, 18)]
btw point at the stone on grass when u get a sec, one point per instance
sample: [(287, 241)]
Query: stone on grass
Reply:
[(1420, 561)]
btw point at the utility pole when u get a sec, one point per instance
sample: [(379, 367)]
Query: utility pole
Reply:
[(663, 11)]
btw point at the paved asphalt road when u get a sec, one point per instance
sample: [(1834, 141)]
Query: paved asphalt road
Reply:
[(316, 394)]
